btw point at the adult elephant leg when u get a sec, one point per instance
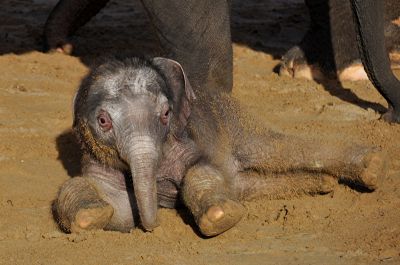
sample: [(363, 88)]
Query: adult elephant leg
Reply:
[(392, 31), (369, 17), (344, 39), (329, 49), (197, 35), (313, 57), (66, 17)]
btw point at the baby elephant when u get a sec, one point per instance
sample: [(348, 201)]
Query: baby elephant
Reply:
[(149, 141)]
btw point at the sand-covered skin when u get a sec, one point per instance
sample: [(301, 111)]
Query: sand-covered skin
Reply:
[(38, 153)]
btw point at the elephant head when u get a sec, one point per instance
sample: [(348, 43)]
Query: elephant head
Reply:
[(124, 111)]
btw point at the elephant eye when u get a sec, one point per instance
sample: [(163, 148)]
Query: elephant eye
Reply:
[(164, 117), (104, 121)]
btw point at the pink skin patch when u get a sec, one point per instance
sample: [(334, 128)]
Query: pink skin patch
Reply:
[(65, 48), (104, 121), (396, 21), (302, 71), (395, 59), (353, 73), (164, 116)]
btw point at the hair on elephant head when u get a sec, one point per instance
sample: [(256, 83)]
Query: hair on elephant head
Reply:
[(123, 113)]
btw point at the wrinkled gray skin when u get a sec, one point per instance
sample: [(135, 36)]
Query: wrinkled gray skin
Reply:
[(149, 141)]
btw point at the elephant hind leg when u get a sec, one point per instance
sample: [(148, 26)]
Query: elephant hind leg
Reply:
[(251, 185), (373, 170), (277, 153)]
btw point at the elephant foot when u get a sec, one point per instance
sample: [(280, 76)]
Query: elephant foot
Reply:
[(374, 169), (354, 72), (66, 48), (219, 218), (294, 64), (328, 184), (92, 218), (391, 116), (395, 59), (308, 72)]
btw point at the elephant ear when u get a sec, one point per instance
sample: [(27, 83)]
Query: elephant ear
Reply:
[(179, 91)]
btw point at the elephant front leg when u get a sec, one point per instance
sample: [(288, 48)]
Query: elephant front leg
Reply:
[(79, 206), (209, 197), (197, 35), (67, 17)]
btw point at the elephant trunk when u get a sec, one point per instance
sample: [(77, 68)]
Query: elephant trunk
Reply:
[(142, 157)]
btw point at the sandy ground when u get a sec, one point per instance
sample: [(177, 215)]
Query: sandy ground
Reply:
[(38, 152)]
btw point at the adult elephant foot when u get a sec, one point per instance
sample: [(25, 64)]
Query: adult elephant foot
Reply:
[(395, 59), (391, 116), (65, 19), (294, 64), (65, 48), (356, 71), (353, 72)]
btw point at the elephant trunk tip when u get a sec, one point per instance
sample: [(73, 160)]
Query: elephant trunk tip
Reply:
[(150, 226)]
